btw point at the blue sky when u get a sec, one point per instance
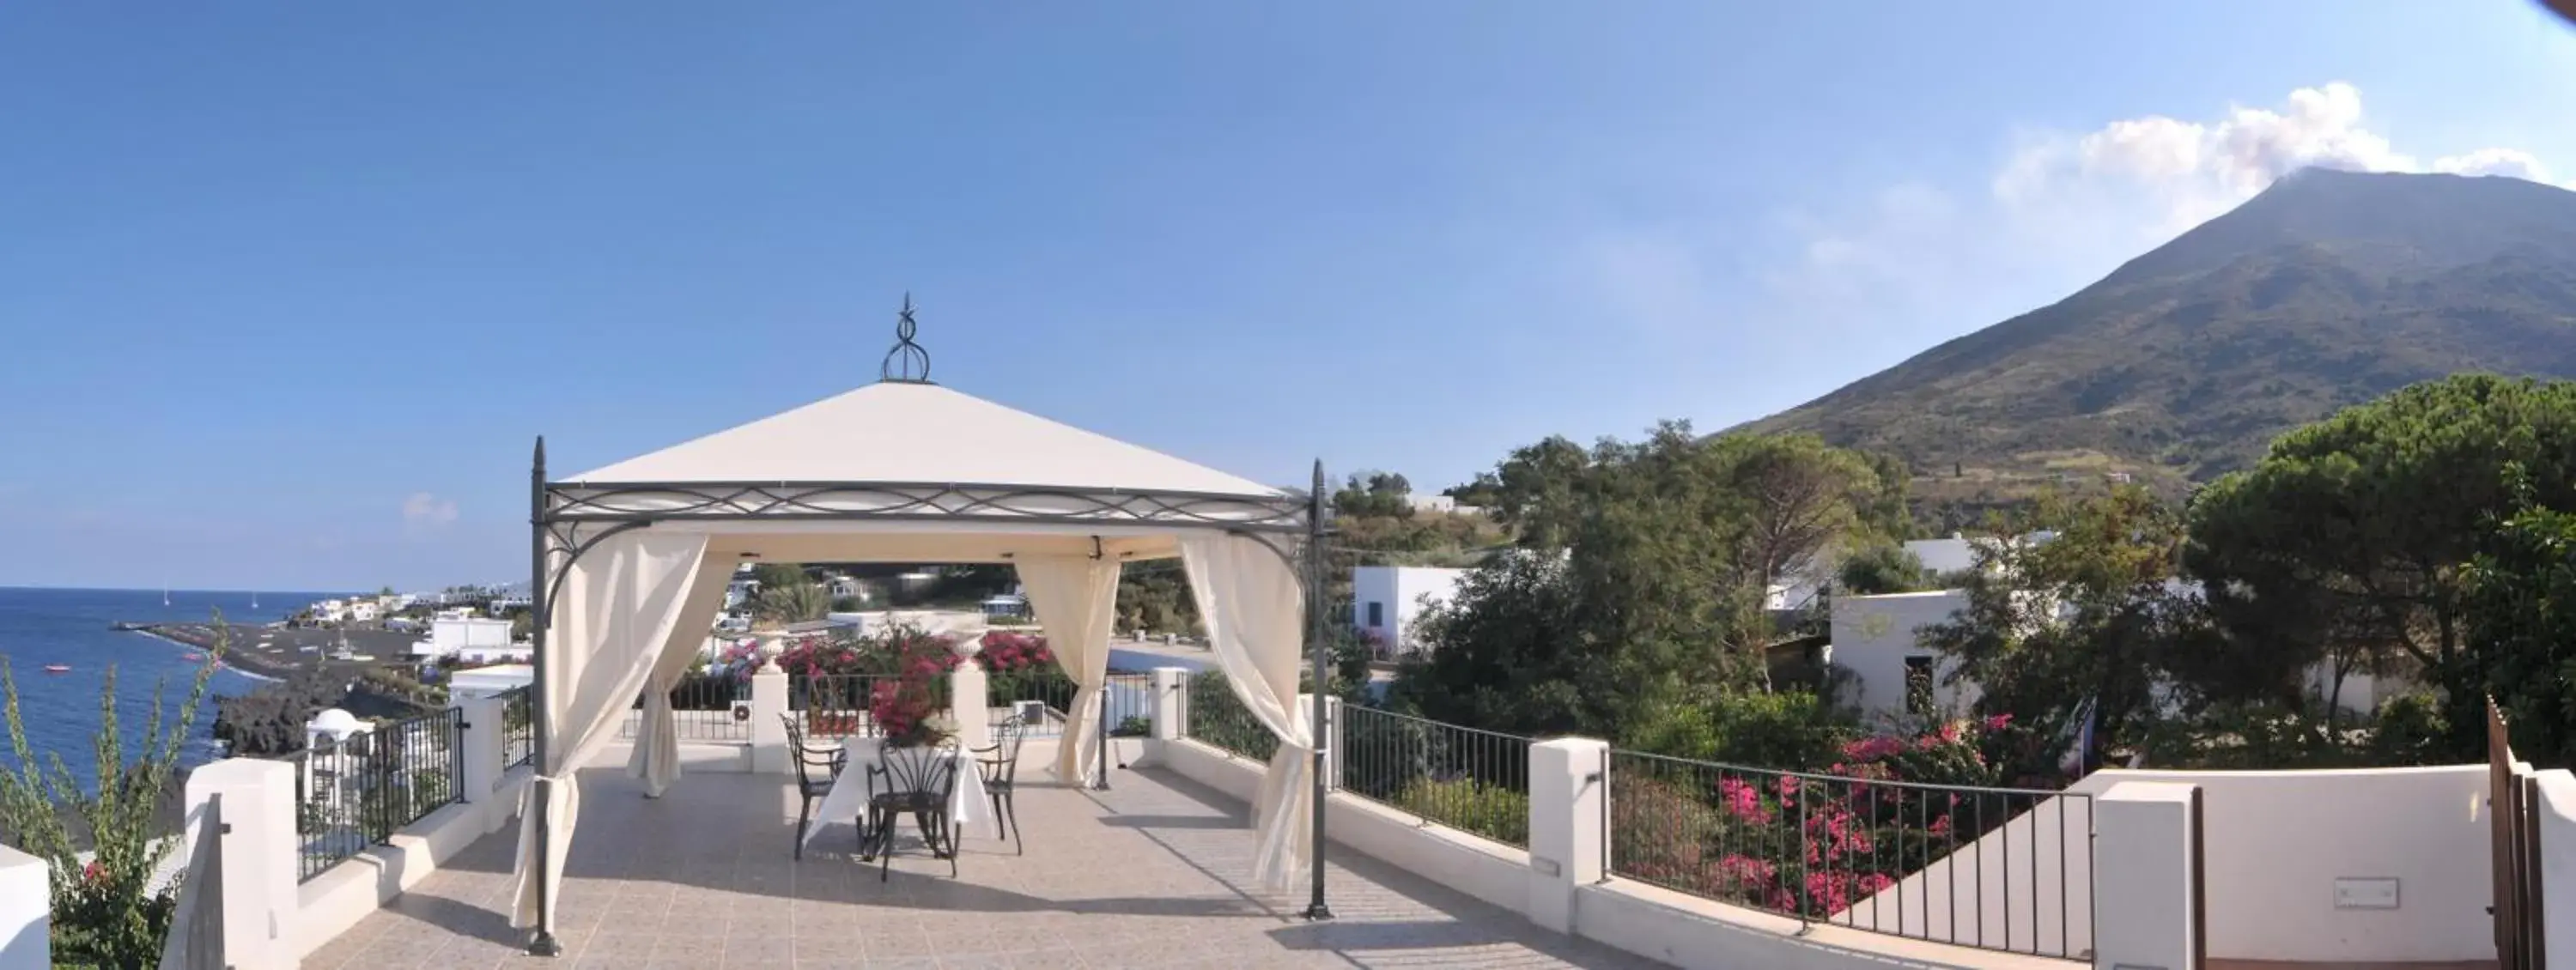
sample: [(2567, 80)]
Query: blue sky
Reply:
[(286, 291)]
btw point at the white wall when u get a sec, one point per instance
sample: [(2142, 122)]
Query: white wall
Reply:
[(1402, 593), (1943, 555), (2557, 811), (2276, 841), (25, 901), (1873, 636)]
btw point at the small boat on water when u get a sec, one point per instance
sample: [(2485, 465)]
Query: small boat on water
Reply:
[(192, 656), (58, 668)]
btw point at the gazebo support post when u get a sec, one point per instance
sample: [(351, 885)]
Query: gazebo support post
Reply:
[(545, 944), (1321, 645)]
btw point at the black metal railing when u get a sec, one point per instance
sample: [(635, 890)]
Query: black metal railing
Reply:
[(1212, 714), (702, 709), (518, 729), (357, 793), (1469, 779), (2004, 869), (1128, 704), (836, 705)]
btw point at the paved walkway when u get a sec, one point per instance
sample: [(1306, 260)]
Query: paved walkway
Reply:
[(1155, 873)]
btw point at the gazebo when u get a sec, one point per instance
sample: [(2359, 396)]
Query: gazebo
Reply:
[(631, 562)]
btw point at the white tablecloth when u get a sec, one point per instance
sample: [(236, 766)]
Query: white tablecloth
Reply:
[(849, 796)]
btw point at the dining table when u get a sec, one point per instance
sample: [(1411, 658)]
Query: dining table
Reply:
[(848, 798)]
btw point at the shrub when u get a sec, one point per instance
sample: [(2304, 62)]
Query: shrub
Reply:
[(104, 911), (1491, 811)]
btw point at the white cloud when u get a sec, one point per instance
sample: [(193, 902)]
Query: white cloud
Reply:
[(424, 512), (1919, 263)]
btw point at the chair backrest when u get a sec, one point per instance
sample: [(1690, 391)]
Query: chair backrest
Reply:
[(1006, 749), (807, 759), (920, 767)]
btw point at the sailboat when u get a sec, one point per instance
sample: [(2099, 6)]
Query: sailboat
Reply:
[(165, 594), (254, 601)]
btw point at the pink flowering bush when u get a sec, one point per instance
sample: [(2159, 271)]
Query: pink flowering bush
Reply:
[(1811, 844)]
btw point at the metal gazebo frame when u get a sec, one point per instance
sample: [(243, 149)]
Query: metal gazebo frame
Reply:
[(568, 519)]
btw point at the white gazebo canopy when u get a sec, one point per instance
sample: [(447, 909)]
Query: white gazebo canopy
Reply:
[(632, 560)]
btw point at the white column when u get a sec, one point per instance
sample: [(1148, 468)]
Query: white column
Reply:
[(1163, 707), (487, 721), (2555, 790), (2142, 875), (1568, 796), (768, 733), (970, 703), (26, 900), (259, 856)]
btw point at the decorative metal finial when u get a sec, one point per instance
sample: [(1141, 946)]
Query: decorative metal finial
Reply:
[(907, 363)]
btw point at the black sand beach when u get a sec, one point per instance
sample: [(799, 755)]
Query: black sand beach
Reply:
[(281, 652)]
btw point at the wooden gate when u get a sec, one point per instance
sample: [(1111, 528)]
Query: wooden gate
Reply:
[(2512, 805)]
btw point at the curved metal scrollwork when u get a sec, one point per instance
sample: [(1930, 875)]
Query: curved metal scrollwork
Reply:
[(902, 362)]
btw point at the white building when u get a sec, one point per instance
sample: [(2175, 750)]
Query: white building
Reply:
[(1874, 637), (363, 611), (468, 639), (329, 611), (845, 587), (1958, 553), (487, 681), (1385, 600)]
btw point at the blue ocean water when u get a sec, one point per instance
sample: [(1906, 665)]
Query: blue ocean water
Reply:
[(71, 626)]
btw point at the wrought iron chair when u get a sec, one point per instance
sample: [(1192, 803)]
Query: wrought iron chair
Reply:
[(1000, 763), (919, 780), (809, 789)]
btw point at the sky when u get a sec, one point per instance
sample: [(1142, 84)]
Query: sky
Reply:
[(287, 291)]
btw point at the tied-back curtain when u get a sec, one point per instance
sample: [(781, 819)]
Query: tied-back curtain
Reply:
[(616, 612), (1076, 600), (1255, 613), (656, 758)]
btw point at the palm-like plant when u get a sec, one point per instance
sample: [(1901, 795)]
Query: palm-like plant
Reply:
[(792, 603)]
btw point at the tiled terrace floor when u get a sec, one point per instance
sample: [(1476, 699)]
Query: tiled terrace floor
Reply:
[(1155, 873)]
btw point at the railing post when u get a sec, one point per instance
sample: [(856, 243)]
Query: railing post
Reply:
[(768, 733), (1568, 792), (487, 729), (258, 843), (2144, 871), (1332, 742)]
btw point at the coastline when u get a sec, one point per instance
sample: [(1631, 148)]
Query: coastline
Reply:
[(277, 653)]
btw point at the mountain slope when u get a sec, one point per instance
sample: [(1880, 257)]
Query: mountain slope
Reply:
[(2327, 289)]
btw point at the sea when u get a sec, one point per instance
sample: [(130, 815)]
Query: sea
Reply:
[(73, 627)]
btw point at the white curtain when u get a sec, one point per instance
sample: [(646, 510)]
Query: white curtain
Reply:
[(1255, 613), (656, 758), (1076, 600), (616, 613)]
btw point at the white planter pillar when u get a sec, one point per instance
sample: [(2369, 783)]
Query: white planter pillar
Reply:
[(970, 696), (259, 857), (1568, 796), (768, 732), (1163, 708), (487, 721), (2143, 868)]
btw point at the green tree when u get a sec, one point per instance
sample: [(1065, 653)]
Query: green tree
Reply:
[(103, 913), (1879, 568), (1374, 494), (2087, 614), (1798, 496), (795, 602), (2351, 539), (2521, 598)]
